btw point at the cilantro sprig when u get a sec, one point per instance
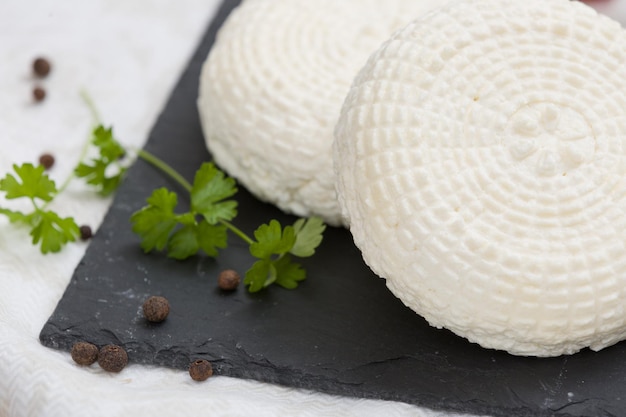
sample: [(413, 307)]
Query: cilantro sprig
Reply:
[(47, 228), (205, 225), (160, 225)]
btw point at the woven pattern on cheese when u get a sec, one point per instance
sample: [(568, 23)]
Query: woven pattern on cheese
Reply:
[(480, 160), (272, 88)]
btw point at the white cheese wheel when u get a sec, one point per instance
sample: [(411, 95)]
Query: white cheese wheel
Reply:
[(480, 159), (272, 88)]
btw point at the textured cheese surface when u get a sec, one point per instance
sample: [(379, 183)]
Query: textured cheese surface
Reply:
[(272, 88), (480, 160)]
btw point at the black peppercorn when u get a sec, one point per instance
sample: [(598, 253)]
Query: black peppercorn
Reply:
[(39, 94), (85, 232), (156, 309), (200, 370), (41, 67), (112, 358), (228, 280), (84, 353), (47, 160)]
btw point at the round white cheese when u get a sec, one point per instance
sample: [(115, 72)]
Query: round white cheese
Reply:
[(480, 159), (272, 88)]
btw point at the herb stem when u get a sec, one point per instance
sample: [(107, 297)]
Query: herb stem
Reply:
[(237, 231), (67, 181), (72, 175), (165, 167), (91, 106), (83, 152)]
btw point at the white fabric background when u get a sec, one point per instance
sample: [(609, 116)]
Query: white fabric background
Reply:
[(127, 55)]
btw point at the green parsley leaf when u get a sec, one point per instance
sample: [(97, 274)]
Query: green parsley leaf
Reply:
[(34, 183), (47, 228), (271, 240), (96, 175), (98, 171), (274, 246), (18, 216), (155, 222), (258, 275), (210, 187), (186, 241), (53, 231), (110, 149), (309, 235), (156, 226), (211, 237), (281, 271), (183, 243), (288, 273)]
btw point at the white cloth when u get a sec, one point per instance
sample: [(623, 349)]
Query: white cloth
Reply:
[(127, 55)]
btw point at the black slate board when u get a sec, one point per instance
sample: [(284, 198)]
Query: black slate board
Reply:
[(341, 332)]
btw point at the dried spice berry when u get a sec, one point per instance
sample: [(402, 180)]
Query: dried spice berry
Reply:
[(200, 370), (39, 94), (112, 358), (84, 353), (47, 160), (41, 67), (156, 309), (85, 232), (228, 280)]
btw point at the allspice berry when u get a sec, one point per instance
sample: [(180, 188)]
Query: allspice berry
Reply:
[(200, 370), (156, 309), (228, 280), (41, 67), (47, 160), (84, 353), (85, 232), (39, 94), (112, 358)]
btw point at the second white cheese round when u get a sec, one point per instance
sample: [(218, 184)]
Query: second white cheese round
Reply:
[(272, 87), (481, 164)]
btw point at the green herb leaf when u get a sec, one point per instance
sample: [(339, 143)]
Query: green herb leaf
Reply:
[(309, 235), (53, 231), (273, 246), (156, 225), (258, 275), (98, 172), (281, 271), (288, 273), (96, 175), (155, 222), (110, 149), (272, 240), (34, 183), (18, 216), (183, 243), (186, 241), (210, 187), (211, 238)]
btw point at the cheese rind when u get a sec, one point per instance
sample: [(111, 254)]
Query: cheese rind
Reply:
[(272, 88), (481, 165)]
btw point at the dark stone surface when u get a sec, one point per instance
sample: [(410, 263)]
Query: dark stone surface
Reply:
[(341, 332)]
